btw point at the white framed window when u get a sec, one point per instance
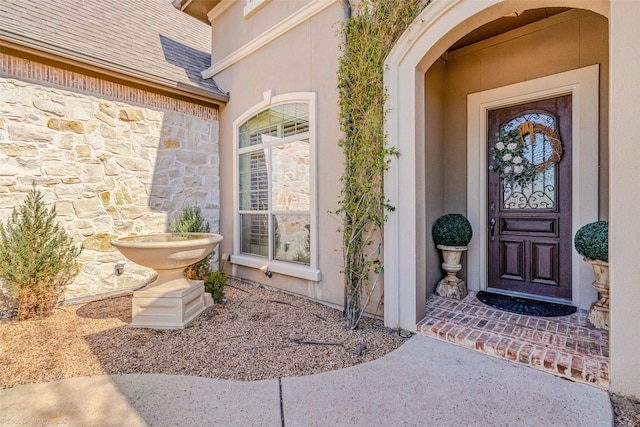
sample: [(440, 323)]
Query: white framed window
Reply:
[(275, 175), (253, 6)]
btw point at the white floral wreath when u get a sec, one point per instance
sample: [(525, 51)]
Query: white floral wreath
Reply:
[(508, 153)]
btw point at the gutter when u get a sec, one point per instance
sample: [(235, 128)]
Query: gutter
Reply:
[(33, 49)]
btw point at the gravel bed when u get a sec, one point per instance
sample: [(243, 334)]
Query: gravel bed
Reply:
[(626, 411), (256, 334)]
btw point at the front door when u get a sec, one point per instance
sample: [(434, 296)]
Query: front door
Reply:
[(529, 198)]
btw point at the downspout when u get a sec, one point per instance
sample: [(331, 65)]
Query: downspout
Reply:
[(346, 10), (346, 15)]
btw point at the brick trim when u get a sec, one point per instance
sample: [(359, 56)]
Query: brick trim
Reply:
[(25, 69)]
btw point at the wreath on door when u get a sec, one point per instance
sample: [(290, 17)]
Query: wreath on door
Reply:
[(508, 153)]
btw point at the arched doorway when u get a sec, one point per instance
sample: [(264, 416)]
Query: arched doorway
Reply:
[(438, 170)]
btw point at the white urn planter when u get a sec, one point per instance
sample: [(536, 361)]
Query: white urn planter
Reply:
[(452, 233), (592, 242), (452, 286), (599, 312)]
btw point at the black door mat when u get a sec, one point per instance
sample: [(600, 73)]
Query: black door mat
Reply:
[(526, 306)]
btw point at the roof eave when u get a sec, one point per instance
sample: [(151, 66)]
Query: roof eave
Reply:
[(37, 50), (198, 9)]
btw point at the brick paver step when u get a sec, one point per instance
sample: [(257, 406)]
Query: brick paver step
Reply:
[(566, 346)]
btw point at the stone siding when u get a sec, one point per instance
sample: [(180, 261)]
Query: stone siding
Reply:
[(110, 167)]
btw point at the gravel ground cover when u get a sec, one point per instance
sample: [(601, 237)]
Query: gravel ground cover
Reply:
[(256, 334), (626, 411)]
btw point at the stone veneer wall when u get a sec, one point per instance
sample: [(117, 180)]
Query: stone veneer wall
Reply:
[(112, 166)]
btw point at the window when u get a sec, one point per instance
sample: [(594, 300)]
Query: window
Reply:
[(253, 6), (275, 175)]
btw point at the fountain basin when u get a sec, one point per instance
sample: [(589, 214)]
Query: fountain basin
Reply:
[(171, 301)]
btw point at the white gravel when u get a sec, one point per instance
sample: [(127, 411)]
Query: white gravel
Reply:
[(256, 334)]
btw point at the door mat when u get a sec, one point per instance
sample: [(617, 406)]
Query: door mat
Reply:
[(526, 306)]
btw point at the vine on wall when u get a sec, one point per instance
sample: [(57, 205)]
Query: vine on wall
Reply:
[(370, 33)]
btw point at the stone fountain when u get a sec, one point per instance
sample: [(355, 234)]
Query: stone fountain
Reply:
[(172, 300)]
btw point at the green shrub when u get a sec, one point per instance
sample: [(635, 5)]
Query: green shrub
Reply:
[(214, 284), (37, 257), (190, 220), (452, 230), (592, 241)]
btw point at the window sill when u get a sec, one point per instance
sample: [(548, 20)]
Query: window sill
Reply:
[(284, 268)]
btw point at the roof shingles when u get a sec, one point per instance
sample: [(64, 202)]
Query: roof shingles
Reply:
[(146, 37)]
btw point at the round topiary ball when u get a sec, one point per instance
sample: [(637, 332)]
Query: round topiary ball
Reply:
[(592, 241), (452, 230)]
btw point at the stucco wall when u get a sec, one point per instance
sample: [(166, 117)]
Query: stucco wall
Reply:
[(564, 42), (624, 231), (429, 271), (232, 30), (307, 56), (110, 167)]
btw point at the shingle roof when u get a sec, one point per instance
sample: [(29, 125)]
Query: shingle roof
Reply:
[(149, 39)]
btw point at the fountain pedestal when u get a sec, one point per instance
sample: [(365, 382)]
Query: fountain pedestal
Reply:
[(166, 307), (172, 300)]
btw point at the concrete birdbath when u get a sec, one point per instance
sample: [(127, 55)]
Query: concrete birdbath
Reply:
[(172, 300)]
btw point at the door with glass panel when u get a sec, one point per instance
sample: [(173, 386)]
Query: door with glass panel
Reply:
[(529, 198)]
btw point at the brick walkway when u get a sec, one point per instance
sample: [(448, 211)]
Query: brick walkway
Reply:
[(566, 346)]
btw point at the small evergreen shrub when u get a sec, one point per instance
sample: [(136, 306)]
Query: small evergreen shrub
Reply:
[(452, 230), (190, 220), (592, 241), (37, 257), (215, 284)]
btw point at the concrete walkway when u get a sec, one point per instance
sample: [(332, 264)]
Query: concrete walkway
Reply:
[(425, 382)]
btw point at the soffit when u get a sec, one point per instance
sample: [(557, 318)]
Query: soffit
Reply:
[(196, 8), (506, 23)]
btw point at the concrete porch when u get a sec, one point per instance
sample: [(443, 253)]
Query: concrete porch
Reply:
[(566, 346)]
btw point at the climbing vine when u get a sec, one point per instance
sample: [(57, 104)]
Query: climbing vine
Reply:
[(369, 35)]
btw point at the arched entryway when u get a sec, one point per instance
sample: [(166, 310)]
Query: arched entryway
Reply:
[(453, 67), (414, 99)]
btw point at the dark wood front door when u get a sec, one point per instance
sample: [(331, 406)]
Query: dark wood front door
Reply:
[(530, 239)]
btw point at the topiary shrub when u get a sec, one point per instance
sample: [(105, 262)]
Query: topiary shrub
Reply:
[(592, 241), (190, 220), (452, 230), (37, 257), (215, 284)]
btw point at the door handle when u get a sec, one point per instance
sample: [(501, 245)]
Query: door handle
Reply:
[(492, 227)]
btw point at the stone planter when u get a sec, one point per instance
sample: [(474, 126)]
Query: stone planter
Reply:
[(452, 286), (599, 312)]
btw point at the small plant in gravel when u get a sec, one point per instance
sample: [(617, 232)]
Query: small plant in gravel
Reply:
[(37, 257), (190, 220), (215, 284)]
